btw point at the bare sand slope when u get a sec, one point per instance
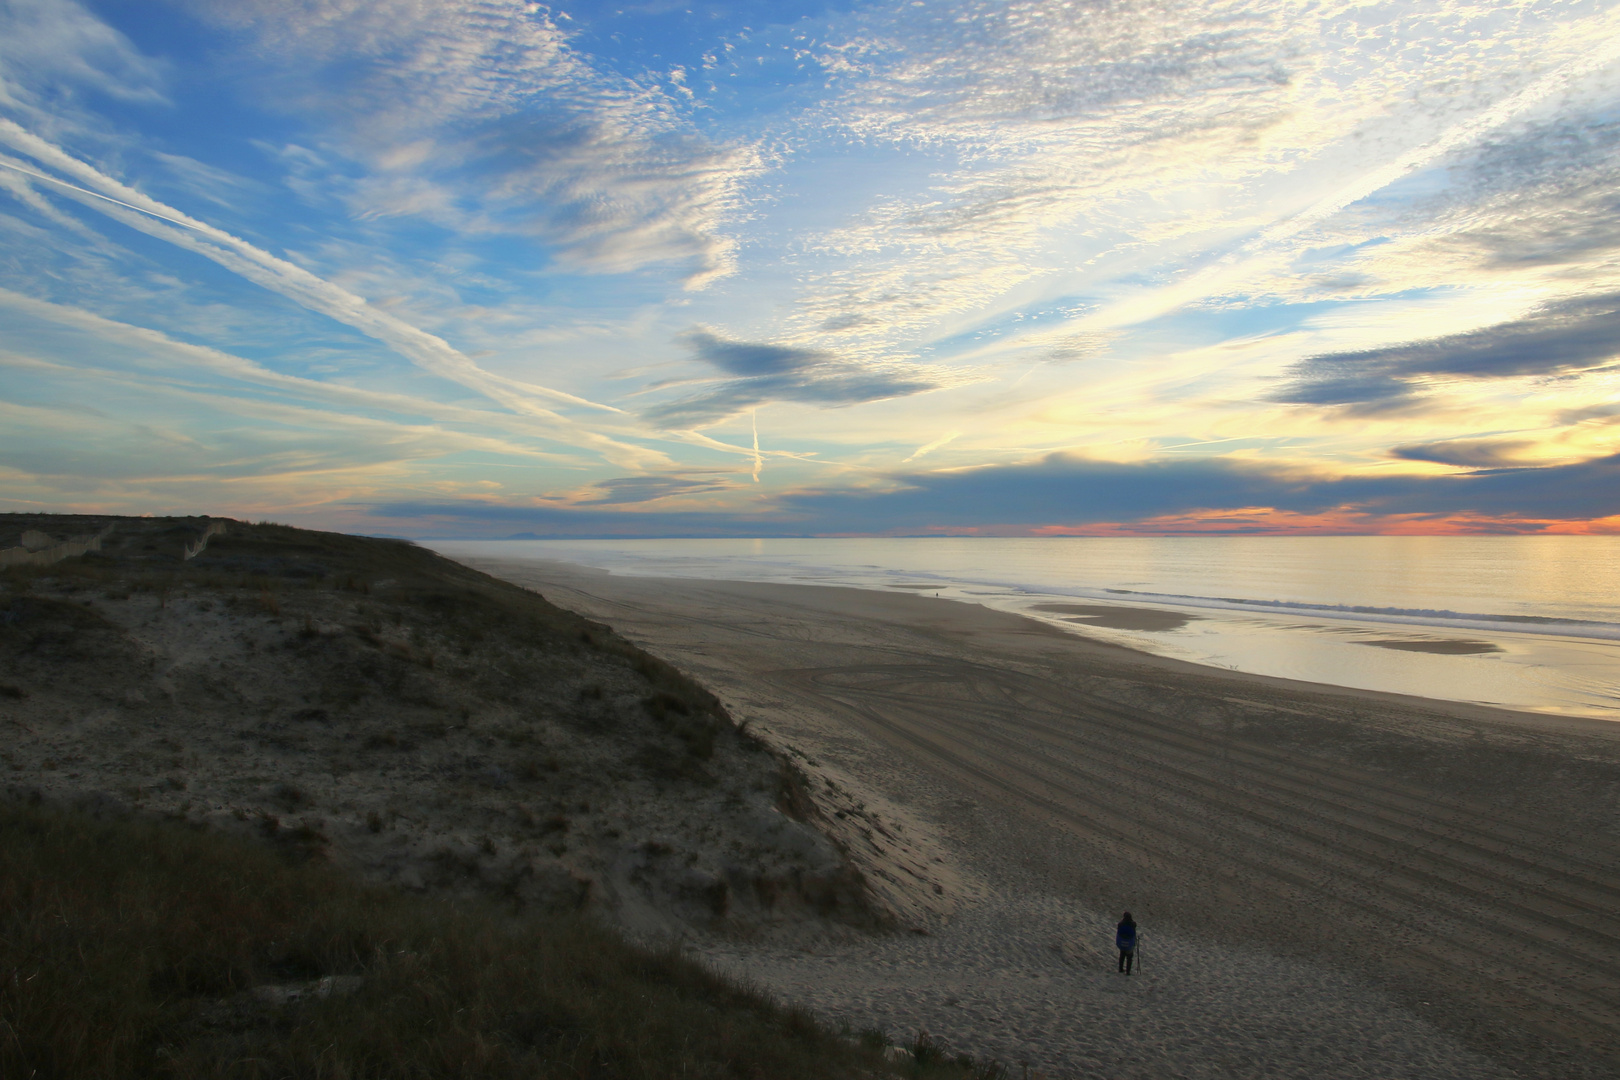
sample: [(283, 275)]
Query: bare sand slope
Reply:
[(1334, 883)]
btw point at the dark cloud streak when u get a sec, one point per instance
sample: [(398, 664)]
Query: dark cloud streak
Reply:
[(1573, 335), (763, 373), (1064, 490), (495, 520), (1467, 453)]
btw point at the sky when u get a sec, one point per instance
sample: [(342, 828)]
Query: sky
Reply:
[(479, 268)]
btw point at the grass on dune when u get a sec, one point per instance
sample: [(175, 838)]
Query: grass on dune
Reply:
[(133, 949)]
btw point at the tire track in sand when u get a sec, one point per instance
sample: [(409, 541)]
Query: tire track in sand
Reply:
[(1149, 785)]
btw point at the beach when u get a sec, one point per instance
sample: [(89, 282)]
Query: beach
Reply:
[(1330, 882), (1523, 623)]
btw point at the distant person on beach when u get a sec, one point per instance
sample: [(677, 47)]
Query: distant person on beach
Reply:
[(1125, 938)]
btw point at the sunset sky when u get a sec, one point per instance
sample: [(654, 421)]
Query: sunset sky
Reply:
[(486, 268)]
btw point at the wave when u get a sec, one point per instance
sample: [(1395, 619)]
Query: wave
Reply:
[(807, 563), (1533, 624), (1439, 618)]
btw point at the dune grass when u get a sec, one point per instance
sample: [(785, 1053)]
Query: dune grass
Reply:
[(137, 948)]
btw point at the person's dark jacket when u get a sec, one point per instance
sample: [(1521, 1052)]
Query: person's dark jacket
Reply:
[(1125, 937)]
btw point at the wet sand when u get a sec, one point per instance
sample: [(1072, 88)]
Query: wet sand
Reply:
[(1331, 882), (1441, 646)]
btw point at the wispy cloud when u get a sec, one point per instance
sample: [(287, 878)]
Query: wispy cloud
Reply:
[(161, 357), (1261, 254), (55, 49), (480, 115), (1221, 265), (241, 439), (1159, 138), (299, 285)]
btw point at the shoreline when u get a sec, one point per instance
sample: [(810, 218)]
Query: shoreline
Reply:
[(1406, 861), (1579, 723), (1506, 664)]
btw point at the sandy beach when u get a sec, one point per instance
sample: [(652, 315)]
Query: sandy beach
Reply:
[(1331, 883)]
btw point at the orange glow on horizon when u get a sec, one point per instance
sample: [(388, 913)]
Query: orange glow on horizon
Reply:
[(1268, 521)]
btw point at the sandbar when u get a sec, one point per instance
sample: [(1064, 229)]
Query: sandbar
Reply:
[(1442, 646), (1116, 617)]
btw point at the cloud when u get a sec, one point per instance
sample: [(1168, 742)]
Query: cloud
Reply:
[(763, 373), (492, 519), (481, 116), (51, 50), (964, 191), (1468, 453), (1038, 120), (1542, 195), (1527, 212), (1262, 253), (1056, 489), (1566, 336), (638, 489), (152, 431), (162, 359), (1149, 157), (432, 353), (930, 447), (1062, 489), (754, 360)]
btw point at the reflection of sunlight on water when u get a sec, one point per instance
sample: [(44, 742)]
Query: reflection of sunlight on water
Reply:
[(1276, 606), (1532, 671)]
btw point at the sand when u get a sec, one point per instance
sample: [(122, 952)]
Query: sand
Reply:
[(1442, 646), (1330, 882), (1119, 617), (416, 725)]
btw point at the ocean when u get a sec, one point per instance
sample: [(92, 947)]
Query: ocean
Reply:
[(1527, 623)]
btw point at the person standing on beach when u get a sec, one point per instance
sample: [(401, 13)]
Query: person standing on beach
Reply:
[(1125, 938)]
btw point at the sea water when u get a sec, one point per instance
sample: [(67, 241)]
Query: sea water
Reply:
[(1531, 622)]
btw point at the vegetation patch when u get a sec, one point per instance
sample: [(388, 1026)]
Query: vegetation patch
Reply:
[(155, 949), (370, 702)]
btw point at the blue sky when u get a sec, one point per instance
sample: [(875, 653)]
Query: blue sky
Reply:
[(442, 267)]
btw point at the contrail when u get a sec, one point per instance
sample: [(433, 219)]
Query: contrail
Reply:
[(697, 438), (317, 294), (98, 195), (236, 367), (930, 447), (759, 460)]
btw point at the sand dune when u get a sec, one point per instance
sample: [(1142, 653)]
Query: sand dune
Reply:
[(418, 724), (1410, 888)]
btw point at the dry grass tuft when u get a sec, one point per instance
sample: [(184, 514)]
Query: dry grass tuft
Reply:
[(151, 949)]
